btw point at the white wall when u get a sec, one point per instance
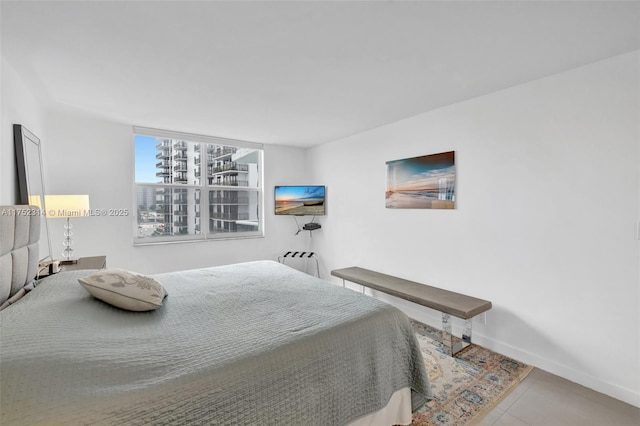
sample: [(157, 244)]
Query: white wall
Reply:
[(545, 224), (18, 105), (87, 155)]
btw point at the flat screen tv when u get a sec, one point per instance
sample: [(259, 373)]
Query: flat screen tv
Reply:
[(300, 200)]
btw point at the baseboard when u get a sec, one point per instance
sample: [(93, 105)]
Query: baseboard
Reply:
[(618, 392), (432, 318)]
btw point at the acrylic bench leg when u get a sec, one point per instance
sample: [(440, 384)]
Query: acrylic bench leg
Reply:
[(447, 337), (450, 344), (466, 331)]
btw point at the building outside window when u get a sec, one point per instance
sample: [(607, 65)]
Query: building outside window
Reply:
[(193, 187)]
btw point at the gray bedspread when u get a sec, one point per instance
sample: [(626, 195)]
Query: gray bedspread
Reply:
[(255, 343)]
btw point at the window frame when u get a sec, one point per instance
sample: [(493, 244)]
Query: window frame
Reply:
[(204, 187)]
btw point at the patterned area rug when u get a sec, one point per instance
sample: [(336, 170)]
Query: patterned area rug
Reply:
[(467, 386)]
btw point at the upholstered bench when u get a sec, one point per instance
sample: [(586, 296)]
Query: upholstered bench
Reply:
[(447, 302)]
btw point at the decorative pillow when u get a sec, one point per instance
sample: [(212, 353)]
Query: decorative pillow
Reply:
[(125, 289)]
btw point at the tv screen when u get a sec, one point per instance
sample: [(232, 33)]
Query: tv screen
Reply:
[(300, 200)]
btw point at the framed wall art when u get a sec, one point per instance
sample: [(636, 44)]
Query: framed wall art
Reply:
[(426, 182)]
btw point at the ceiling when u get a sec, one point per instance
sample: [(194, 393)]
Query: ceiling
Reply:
[(297, 73)]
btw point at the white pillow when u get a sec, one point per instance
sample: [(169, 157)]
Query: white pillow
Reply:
[(125, 289)]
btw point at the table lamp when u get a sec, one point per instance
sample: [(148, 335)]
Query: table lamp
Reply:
[(67, 206)]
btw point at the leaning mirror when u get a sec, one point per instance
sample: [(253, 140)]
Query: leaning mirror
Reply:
[(31, 180)]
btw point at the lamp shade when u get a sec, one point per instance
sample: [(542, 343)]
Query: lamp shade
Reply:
[(35, 200), (65, 206)]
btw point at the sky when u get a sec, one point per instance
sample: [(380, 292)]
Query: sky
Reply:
[(284, 193), (146, 159), (420, 173)]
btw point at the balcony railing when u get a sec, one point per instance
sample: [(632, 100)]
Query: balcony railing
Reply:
[(182, 146), (229, 200), (227, 181), (230, 166), (214, 151), (229, 216)]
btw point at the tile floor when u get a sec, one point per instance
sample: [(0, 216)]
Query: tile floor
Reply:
[(548, 400)]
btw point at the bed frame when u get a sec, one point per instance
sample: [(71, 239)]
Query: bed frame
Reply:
[(19, 235)]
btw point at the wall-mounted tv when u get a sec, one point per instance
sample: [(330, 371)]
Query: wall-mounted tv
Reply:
[(300, 200)]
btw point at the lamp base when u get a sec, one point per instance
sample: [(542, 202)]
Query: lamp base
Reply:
[(69, 262)]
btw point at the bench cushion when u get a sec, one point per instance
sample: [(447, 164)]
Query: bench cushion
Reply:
[(450, 302)]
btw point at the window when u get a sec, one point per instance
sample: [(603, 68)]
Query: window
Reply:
[(193, 187)]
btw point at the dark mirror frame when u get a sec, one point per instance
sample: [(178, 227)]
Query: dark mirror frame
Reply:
[(31, 180)]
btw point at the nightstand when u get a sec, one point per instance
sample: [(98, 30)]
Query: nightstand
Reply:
[(93, 262)]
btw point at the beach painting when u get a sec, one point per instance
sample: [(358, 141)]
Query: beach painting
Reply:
[(300, 200), (426, 182)]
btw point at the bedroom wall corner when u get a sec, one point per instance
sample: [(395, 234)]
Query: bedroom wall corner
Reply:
[(548, 198), (19, 105)]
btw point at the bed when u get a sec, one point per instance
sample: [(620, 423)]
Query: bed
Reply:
[(255, 343)]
